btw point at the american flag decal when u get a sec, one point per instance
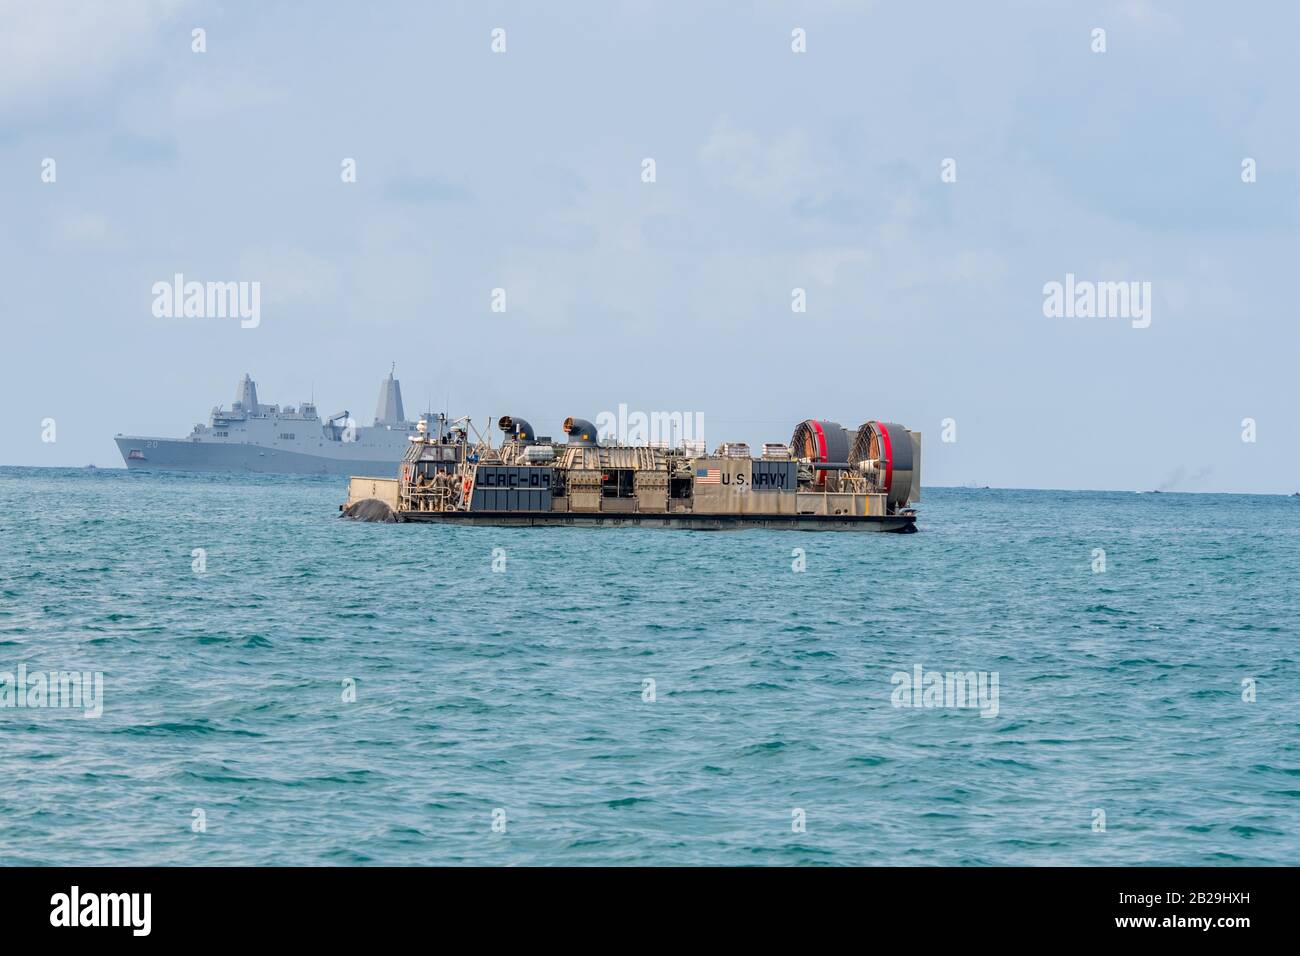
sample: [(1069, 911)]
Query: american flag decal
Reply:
[(708, 476)]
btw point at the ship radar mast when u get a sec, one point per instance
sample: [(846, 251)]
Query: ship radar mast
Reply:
[(389, 411)]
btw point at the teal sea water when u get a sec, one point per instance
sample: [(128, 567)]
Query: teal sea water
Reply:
[(524, 691)]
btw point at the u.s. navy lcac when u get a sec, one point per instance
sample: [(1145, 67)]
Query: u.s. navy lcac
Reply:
[(827, 477)]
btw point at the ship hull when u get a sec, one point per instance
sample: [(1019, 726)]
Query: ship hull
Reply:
[(164, 454)]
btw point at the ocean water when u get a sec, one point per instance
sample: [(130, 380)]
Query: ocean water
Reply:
[(519, 696)]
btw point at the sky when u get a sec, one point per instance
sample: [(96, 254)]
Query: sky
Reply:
[(829, 170)]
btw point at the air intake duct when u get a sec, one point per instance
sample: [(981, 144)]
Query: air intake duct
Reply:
[(518, 430), (580, 431)]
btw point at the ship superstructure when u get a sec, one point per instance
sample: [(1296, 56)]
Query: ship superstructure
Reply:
[(254, 437)]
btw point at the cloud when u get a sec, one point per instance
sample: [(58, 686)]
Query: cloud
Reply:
[(425, 189), (133, 149), (1180, 477), (81, 228), (823, 265), (288, 275), (1144, 14), (211, 100), (59, 48), (783, 170)]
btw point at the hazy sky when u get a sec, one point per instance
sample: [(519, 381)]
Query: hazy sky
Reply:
[(775, 170)]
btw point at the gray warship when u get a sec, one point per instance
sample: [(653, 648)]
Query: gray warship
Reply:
[(268, 439)]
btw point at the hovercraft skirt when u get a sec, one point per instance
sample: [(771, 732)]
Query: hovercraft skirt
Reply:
[(899, 524)]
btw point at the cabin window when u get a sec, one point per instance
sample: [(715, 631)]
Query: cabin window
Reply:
[(679, 487)]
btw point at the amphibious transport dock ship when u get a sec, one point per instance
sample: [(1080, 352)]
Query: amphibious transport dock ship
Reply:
[(252, 437), (827, 478)]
